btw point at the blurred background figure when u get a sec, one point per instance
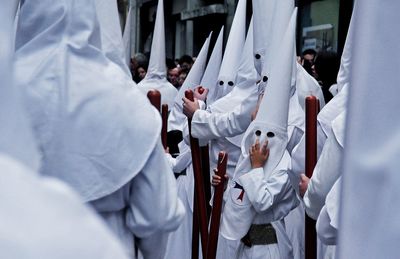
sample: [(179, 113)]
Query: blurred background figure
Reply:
[(173, 73), (325, 70), (186, 63), (139, 65), (307, 59), (182, 76)]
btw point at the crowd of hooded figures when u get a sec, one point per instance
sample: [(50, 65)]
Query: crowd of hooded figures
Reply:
[(86, 173)]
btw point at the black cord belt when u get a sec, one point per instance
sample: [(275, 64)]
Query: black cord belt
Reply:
[(262, 234)]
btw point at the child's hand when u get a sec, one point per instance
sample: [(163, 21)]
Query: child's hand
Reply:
[(216, 180), (259, 155), (303, 185)]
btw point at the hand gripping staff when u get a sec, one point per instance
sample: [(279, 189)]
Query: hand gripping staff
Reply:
[(217, 207), (199, 208), (155, 99), (312, 109)]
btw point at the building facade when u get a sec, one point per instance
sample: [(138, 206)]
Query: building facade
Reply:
[(322, 24)]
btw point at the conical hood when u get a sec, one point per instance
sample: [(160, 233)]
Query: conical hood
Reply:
[(246, 79), (210, 77), (306, 85), (16, 139), (83, 110), (156, 76), (157, 67), (111, 36), (343, 77), (282, 13), (277, 93), (245, 93), (263, 13), (177, 118), (266, 126), (231, 60), (126, 37)]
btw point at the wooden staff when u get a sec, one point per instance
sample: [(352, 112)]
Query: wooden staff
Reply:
[(312, 108), (155, 98), (205, 166), (164, 116), (217, 206), (199, 193)]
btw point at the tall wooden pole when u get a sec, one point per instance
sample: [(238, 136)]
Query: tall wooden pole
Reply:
[(217, 207), (199, 193), (312, 108)]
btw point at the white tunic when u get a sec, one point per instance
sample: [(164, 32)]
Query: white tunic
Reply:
[(128, 213), (43, 218)]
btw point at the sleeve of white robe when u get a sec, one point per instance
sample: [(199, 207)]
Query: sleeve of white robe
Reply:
[(325, 174), (207, 125), (154, 205), (274, 194), (326, 232)]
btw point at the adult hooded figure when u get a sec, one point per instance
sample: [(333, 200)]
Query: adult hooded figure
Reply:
[(305, 85), (251, 193), (111, 36), (176, 119), (41, 217), (232, 55), (215, 123), (180, 241), (86, 123), (369, 225), (315, 199), (210, 77), (156, 76), (263, 13)]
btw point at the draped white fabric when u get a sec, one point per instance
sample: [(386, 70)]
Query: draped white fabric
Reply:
[(83, 109), (369, 223)]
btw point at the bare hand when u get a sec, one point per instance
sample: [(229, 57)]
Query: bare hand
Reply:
[(200, 93), (303, 185), (190, 107), (259, 154), (216, 179)]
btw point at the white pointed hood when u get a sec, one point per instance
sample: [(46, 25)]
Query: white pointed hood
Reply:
[(156, 76), (83, 110), (306, 85), (270, 124), (245, 93), (232, 55), (246, 79), (281, 16), (111, 36), (343, 77), (176, 118), (210, 77), (17, 140), (126, 37), (263, 12)]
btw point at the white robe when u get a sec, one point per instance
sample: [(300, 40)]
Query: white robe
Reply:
[(216, 127), (43, 218), (128, 213), (273, 199)]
